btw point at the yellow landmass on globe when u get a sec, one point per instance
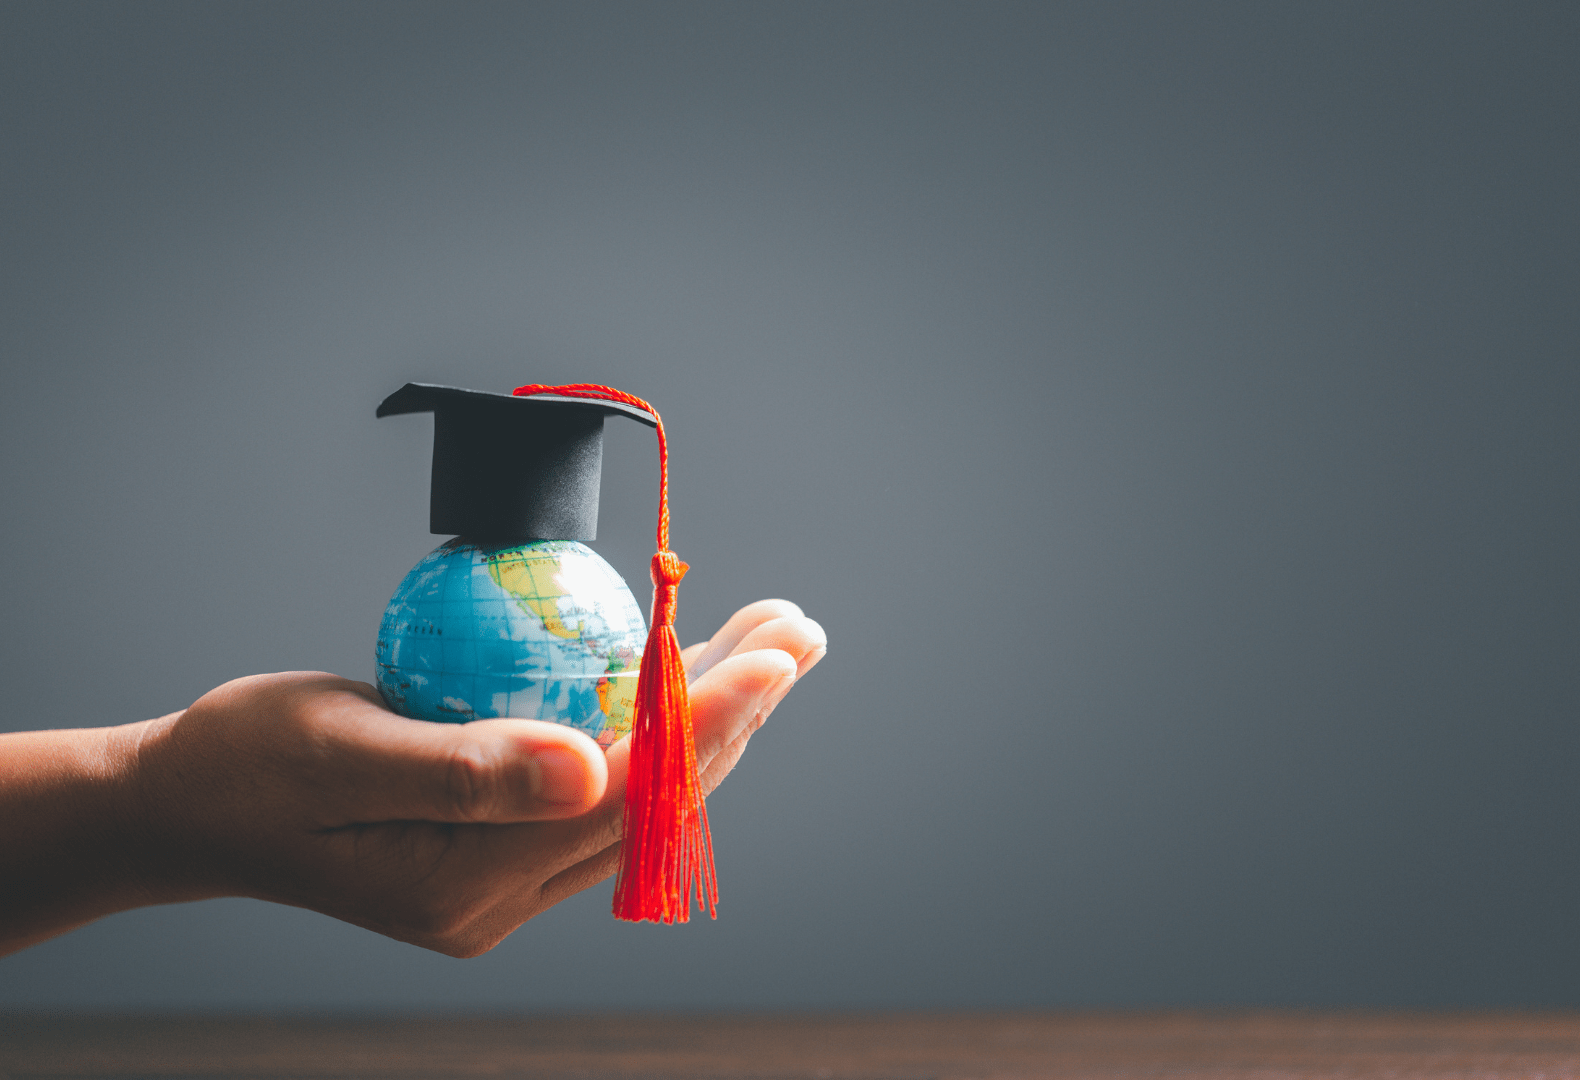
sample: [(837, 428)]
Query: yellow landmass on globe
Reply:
[(533, 583), (617, 699)]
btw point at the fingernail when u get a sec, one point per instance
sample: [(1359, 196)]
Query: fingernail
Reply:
[(561, 776)]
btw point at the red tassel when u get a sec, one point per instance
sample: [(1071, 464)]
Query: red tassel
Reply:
[(668, 851)]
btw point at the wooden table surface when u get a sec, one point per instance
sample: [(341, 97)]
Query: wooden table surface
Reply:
[(906, 1046)]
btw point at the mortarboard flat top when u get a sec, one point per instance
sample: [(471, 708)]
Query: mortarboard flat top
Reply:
[(509, 469), (417, 397)]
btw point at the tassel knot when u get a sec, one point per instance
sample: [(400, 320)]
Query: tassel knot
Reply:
[(667, 572), (668, 569)]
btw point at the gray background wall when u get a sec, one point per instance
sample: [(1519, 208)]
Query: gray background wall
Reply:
[(1170, 411)]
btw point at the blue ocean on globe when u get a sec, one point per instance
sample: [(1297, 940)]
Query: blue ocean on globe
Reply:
[(545, 630)]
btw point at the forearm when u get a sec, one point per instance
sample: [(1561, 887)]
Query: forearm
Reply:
[(70, 836)]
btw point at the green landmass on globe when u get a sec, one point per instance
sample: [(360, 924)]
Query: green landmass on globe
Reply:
[(545, 630)]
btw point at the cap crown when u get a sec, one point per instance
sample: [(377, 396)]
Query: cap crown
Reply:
[(512, 469)]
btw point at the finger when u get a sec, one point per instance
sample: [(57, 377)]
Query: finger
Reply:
[(733, 697), (393, 769), (558, 844), (712, 772), (797, 635), (519, 901), (730, 634), (583, 875), (725, 760)]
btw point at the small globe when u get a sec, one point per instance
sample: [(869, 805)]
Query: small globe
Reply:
[(545, 630)]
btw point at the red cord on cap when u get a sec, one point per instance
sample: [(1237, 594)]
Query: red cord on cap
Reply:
[(667, 852)]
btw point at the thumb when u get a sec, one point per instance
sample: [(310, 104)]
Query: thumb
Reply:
[(389, 768)]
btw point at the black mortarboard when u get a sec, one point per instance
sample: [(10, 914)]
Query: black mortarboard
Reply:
[(510, 469)]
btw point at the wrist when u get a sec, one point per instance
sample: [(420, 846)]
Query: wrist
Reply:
[(75, 847), (140, 850)]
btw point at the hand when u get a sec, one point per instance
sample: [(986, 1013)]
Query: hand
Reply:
[(302, 788)]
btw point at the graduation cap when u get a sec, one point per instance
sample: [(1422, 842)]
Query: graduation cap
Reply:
[(509, 468), (513, 468)]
